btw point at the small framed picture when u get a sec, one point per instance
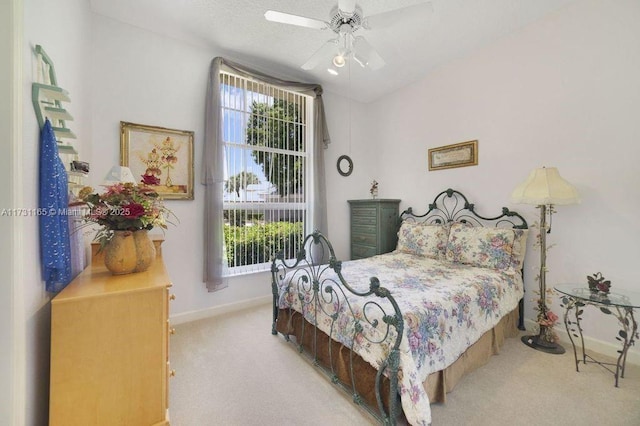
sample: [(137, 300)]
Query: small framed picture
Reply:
[(159, 157), (456, 155)]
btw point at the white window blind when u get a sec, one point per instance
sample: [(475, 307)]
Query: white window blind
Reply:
[(266, 132)]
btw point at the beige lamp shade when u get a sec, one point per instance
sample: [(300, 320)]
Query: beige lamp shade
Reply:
[(118, 174), (545, 186)]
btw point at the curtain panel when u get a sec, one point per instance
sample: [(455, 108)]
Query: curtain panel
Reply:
[(213, 163)]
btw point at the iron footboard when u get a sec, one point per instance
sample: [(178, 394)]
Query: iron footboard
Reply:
[(322, 294)]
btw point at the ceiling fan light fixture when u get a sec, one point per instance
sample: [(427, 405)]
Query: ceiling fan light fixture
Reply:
[(345, 19), (339, 60), (362, 51), (362, 60)]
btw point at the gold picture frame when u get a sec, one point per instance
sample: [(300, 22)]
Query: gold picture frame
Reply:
[(159, 157), (457, 155)]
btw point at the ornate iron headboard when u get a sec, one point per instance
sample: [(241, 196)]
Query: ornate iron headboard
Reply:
[(453, 206)]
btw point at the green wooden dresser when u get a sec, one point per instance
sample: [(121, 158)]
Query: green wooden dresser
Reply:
[(374, 227)]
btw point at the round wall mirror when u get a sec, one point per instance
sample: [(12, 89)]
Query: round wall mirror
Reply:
[(345, 165)]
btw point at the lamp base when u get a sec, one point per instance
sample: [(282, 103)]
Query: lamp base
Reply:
[(539, 344)]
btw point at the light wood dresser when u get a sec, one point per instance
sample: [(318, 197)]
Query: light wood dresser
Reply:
[(110, 348), (374, 227)]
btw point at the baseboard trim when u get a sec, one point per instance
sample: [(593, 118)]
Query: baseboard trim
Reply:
[(591, 344), (214, 311)]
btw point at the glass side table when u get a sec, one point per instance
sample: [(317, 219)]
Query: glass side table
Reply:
[(619, 303)]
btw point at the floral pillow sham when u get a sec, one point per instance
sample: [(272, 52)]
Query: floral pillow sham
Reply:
[(423, 239), (494, 248)]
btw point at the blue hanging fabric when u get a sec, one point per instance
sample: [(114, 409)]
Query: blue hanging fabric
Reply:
[(55, 248)]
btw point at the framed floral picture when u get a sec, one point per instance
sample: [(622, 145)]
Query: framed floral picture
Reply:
[(159, 157), (456, 155)]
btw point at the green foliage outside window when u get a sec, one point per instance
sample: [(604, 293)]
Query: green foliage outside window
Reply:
[(278, 126), (242, 217), (248, 245)]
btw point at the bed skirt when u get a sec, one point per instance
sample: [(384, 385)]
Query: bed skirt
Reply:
[(337, 358), (441, 382)]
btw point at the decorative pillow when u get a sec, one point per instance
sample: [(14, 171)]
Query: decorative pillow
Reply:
[(483, 247), (423, 240)]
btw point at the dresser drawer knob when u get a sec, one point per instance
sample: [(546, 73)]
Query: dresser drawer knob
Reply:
[(172, 373), (172, 330), (172, 297)]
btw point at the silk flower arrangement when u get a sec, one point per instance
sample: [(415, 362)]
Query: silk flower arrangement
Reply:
[(124, 207)]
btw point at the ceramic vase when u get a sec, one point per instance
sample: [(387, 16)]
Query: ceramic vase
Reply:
[(129, 251)]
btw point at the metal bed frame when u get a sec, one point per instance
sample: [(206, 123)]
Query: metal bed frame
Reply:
[(317, 290)]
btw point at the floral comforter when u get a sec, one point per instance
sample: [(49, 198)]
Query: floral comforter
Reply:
[(446, 308)]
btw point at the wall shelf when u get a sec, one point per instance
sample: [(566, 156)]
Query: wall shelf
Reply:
[(50, 92), (63, 133), (47, 98), (57, 113)]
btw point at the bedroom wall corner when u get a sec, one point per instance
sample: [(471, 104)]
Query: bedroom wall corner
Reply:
[(350, 137)]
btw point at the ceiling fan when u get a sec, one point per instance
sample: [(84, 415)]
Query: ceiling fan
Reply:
[(347, 18)]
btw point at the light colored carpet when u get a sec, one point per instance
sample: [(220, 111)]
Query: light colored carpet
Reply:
[(233, 371)]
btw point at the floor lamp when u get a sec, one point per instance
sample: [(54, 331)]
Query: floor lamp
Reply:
[(544, 188)]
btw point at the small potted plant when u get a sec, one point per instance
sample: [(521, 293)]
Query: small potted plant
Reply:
[(374, 189)]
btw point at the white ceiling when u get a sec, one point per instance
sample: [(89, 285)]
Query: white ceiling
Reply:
[(237, 29)]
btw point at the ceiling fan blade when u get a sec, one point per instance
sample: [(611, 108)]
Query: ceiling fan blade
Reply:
[(325, 52), (347, 7), (391, 17), (365, 55), (301, 21)]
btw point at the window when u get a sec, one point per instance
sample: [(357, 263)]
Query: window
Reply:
[(268, 171)]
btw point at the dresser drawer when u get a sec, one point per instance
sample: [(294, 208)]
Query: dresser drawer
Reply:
[(371, 221), (359, 251), (364, 229), (364, 239), (364, 210)]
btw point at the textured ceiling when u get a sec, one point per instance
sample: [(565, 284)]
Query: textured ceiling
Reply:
[(412, 48)]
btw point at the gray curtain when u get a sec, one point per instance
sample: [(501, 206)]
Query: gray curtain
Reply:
[(213, 164)]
